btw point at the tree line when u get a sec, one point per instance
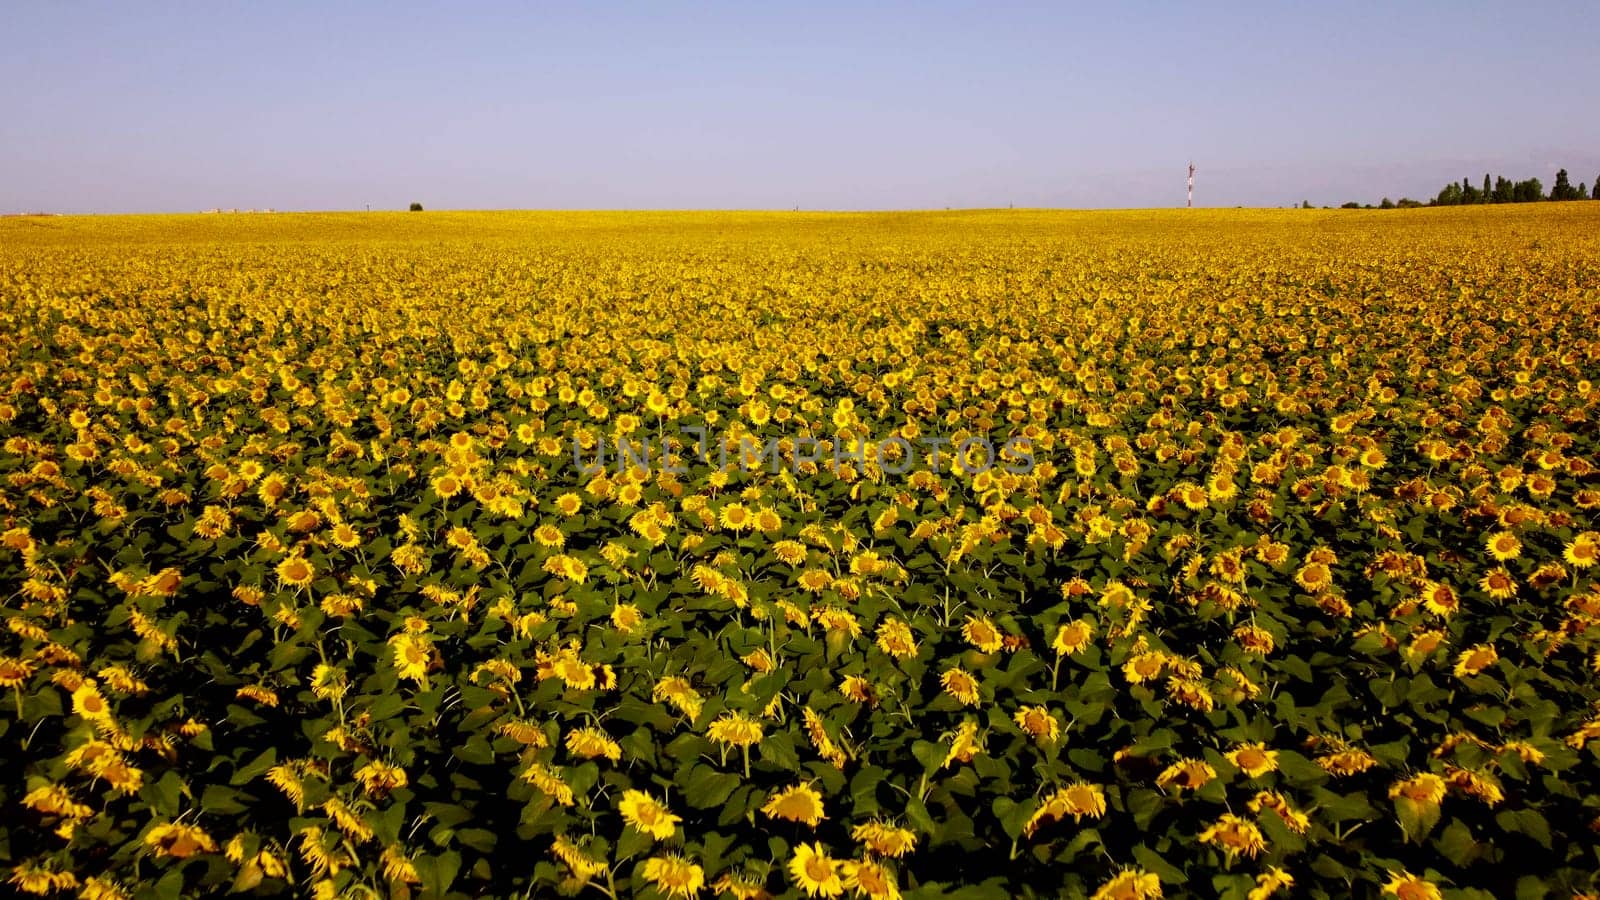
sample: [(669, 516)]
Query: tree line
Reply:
[(1500, 190)]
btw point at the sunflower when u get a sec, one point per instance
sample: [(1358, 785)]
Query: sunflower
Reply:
[(15, 672), (965, 744), (1187, 773), (345, 536), (799, 803), (1475, 659), (679, 693), (576, 859), (1526, 751), (1405, 886), (1130, 884), (549, 782), (1254, 639), (33, 879), (626, 618), (1269, 882), (1480, 785), (1583, 550), (102, 889), (1498, 584), (1272, 553), (647, 815), (1426, 788), (768, 521), (296, 571), (328, 682), (592, 743), (1347, 762), (1314, 577), (814, 581), (736, 517), (883, 839), (759, 660), (1142, 667), (734, 729), (895, 638), (1038, 723), (179, 841), (960, 684), (88, 703), (1073, 637), (1076, 800), (55, 800), (981, 633), (1191, 692), (1548, 575), (815, 872), (674, 875), (1235, 836), (872, 879), (549, 536), (413, 655), (742, 886), (1254, 760), (1440, 599), (122, 776), (1503, 546), (379, 778), (163, 583)]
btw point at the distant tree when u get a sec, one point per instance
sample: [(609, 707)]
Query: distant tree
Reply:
[(1562, 189), (1469, 194), (1386, 204), (1595, 191), (1486, 196), (1305, 204), (1408, 203), (416, 207), (1503, 190), (1351, 205), (1529, 191), (1583, 192), (1450, 195)]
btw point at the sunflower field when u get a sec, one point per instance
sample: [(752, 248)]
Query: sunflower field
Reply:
[(311, 585)]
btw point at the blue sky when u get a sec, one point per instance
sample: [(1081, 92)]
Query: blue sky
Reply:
[(173, 107)]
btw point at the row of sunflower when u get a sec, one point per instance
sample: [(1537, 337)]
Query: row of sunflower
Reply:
[(323, 574)]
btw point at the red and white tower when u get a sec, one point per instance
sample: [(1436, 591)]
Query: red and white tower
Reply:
[(1191, 187)]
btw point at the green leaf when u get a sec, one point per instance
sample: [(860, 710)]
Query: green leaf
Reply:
[(778, 750), (864, 791), (1416, 819), (1457, 844), (165, 796), (438, 872), (479, 839), (387, 706), (1154, 862), (266, 760), (222, 801), (706, 788), (1525, 821), (1143, 803), (474, 750), (1013, 815), (1297, 769), (632, 843)]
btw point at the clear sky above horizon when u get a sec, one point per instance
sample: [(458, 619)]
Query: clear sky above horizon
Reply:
[(178, 107)]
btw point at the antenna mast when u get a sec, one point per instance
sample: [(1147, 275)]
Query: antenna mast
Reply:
[(1191, 187)]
